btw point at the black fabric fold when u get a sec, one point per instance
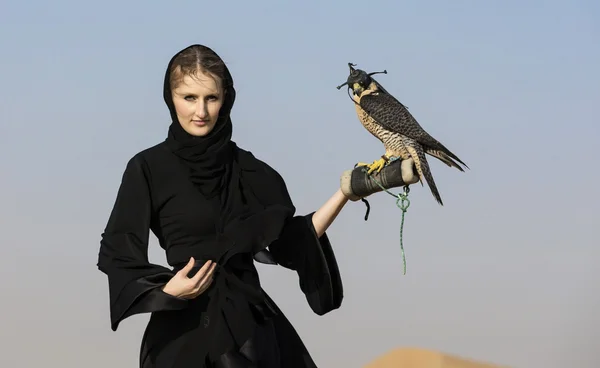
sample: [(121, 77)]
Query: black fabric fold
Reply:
[(236, 296), (299, 249), (132, 280)]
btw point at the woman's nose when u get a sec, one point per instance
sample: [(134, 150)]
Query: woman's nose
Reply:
[(201, 110)]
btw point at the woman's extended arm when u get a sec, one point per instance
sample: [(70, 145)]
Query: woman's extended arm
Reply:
[(325, 215)]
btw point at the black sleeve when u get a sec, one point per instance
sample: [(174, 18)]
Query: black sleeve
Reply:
[(134, 283), (298, 248)]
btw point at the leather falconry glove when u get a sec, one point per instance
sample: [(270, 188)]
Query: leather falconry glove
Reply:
[(356, 184)]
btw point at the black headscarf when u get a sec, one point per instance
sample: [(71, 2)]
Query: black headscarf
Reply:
[(213, 160), (209, 157)]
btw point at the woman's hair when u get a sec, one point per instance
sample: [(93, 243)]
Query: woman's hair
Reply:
[(194, 59)]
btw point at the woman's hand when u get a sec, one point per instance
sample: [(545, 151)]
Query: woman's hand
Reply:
[(182, 286)]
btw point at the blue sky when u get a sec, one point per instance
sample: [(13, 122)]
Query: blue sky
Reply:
[(504, 272)]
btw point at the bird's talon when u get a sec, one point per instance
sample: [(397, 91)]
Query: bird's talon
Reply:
[(376, 165)]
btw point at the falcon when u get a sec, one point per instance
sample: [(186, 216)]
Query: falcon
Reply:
[(388, 120)]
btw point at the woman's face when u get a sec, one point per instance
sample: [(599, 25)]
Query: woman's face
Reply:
[(197, 101)]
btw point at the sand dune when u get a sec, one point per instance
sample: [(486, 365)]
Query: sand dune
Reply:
[(422, 358)]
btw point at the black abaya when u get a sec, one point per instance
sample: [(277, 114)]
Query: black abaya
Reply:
[(240, 213)]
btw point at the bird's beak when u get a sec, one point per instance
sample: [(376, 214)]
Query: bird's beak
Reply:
[(357, 89)]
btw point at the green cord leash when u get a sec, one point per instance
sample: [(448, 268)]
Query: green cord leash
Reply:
[(402, 202)]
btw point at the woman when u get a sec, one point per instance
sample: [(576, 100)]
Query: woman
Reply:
[(214, 208)]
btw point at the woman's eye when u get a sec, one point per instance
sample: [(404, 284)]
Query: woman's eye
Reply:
[(189, 98)]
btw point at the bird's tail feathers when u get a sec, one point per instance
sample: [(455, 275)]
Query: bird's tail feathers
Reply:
[(424, 171), (445, 158), (435, 145)]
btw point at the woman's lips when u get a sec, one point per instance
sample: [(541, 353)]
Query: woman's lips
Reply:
[(200, 123)]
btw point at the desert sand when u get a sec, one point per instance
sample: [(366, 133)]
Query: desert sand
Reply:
[(422, 358)]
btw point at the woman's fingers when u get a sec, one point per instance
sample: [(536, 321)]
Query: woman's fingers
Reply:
[(188, 267), (202, 272), (191, 287), (205, 281), (204, 284), (209, 274)]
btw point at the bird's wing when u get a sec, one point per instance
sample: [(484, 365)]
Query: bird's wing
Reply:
[(392, 115)]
